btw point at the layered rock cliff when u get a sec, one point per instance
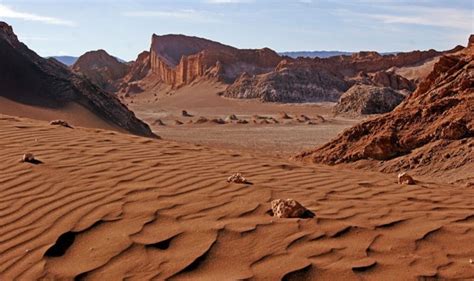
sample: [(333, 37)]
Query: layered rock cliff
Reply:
[(178, 60), (30, 79)]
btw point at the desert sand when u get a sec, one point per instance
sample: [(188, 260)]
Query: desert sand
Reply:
[(108, 206), (202, 99)]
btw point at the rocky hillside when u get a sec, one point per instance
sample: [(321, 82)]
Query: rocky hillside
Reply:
[(27, 78), (326, 79), (291, 81), (367, 99), (433, 126), (102, 69)]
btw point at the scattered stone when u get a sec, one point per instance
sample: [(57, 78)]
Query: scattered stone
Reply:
[(232, 117), (288, 208), (158, 122), (60, 123), (237, 178), (404, 178), (184, 113), (471, 261), (242, 122), (177, 122), (201, 120), (284, 115), (303, 118), (218, 121)]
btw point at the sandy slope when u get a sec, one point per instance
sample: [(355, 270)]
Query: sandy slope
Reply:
[(107, 206)]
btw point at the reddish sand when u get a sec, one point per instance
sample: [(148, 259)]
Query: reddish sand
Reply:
[(108, 206)]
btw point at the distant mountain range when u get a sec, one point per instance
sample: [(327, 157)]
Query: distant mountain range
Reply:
[(314, 54), (70, 60), (67, 60), (323, 54)]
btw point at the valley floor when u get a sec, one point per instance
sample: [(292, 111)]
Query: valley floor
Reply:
[(106, 206)]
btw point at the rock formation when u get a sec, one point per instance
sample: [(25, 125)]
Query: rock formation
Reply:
[(178, 60), (30, 79), (288, 208), (292, 81), (102, 69), (366, 99), (434, 125)]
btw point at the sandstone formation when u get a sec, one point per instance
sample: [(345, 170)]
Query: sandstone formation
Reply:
[(27, 78), (101, 68), (288, 208), (434, 125), (365, 99), (179, 60), (292, 81)]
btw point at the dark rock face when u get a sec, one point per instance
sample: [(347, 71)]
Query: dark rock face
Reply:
[(440, 110), (366, 99), (28, 78), (292, 81)]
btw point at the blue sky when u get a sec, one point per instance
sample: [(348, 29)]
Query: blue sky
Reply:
[(124, 27)]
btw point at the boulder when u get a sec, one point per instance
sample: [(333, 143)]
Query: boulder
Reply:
[(237, 178), (404, 178), (28, 157), (288, 208)]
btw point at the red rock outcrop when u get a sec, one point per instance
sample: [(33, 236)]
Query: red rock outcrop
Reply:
[(438, 116), (30, 79), (178, 60), (101, 68)]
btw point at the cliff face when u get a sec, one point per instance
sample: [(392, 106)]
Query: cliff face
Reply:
[(431, 125), (178, 60), (30, 79), (101, 68)]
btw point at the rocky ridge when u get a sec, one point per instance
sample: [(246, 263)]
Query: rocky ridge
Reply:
[(28, 78)]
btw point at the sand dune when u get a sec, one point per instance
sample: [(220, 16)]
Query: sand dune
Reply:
[(107, 206)]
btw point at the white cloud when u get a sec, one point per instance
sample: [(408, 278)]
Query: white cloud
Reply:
[(416, 15), (188, 15), (441, 17), (9, 13)]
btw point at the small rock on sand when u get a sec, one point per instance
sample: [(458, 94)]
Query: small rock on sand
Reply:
[(184, 113), (288, 208), (284, 115), (237, 178), (201, 120), (177, 122), (158, 122), (218, 121), (232, 117), (60, 123), (404, 178), (28, 157)]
